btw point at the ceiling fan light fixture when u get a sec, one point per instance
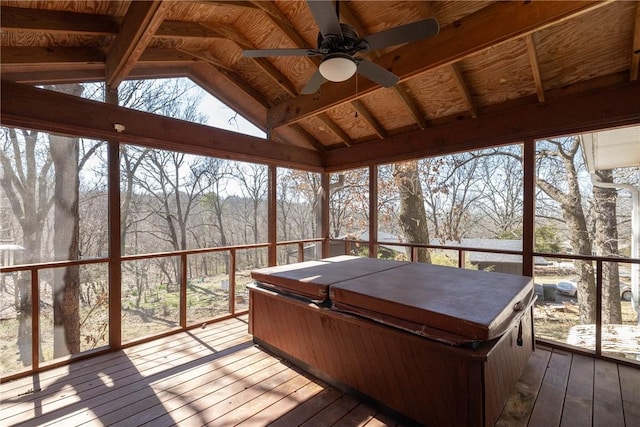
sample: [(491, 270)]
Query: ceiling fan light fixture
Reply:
[(338, 67)]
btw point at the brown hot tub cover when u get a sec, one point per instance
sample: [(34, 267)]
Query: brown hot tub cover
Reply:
[(311, 279), (453, 305)]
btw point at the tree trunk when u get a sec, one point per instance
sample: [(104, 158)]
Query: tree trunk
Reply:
[(66, 286), (606, 242), (413, 218), (570, 202)]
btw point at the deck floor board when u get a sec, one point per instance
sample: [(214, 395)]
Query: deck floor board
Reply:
[(217, 376)]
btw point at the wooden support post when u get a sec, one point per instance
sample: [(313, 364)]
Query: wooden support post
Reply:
[(325, 226), (373, 211), (183, 290), (528, 214), (115, 244), (232, 281), (35, 320), (272, 230)]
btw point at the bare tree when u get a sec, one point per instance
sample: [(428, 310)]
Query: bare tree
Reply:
[(254, 181), (558, 178), (606, 244), (27, 171), (66, 281), (452, 186), (413, 217)]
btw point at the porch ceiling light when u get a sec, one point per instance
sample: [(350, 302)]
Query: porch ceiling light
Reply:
[(338, 67)]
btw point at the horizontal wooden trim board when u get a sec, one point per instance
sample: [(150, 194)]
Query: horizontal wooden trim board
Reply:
[(27, 106)]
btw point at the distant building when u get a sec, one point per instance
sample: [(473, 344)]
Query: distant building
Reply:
[(488, 261)]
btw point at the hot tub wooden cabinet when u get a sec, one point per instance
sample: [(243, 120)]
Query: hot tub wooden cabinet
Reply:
[(399, 334)]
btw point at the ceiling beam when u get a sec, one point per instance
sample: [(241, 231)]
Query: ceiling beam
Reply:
[(532, 53), (468, 36), (33, 108), (635, 50), (54, 21), (370, 119), (267, 67), (411, 105), (138, 27), (207, 56), (59, 22), (328, 122), (458, 79), (283, 24), (229, 3), (14, 58), (308, 137), (579, 113)]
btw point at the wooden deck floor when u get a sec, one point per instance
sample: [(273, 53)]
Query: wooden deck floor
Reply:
[(216, 376)]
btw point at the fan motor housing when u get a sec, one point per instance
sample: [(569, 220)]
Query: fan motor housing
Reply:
[(350, 42)]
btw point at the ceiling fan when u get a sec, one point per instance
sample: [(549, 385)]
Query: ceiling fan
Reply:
[(338, 43)]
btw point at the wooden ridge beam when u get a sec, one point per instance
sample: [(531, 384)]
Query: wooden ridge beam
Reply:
[(33, 108), (583, 112), (466, 37), (138, 27)]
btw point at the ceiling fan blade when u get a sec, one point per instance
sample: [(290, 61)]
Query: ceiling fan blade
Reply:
[(261, 53), (313, 84), (325, 15), (415, 31), (377, 74)]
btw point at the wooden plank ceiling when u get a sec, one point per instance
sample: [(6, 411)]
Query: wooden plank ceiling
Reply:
[(488, 59)]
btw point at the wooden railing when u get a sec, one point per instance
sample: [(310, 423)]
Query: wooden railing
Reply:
[(461, 252), (35, 269)]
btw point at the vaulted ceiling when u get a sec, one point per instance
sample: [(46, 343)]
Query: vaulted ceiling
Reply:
[(496, 70)]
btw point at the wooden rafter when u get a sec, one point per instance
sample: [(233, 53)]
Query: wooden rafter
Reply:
[(413, 107), (370, 119), (138, 27), (535, 66), (221, 79), (308, 137), (470, 35), (229, 3), (635, 54), (458, 78), (346, 139), (267, 67), (205, 55), (280, 21)]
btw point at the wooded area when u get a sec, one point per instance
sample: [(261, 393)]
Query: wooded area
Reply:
[(172, 201)]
